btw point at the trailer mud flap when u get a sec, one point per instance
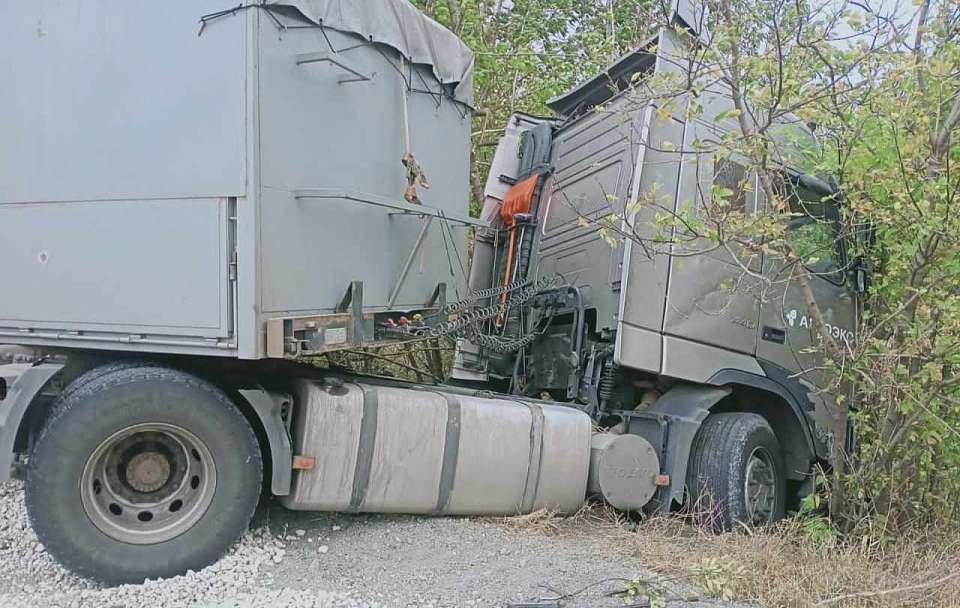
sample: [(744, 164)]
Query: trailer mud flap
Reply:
[(269, 409), (20, 394)]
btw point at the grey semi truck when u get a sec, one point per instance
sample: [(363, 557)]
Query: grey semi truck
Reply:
[(197, 200)]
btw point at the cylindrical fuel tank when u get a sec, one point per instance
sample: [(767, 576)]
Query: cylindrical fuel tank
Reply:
[(623, 470), (397, 450)]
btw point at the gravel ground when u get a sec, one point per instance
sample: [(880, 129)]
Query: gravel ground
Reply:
[(294, 560)]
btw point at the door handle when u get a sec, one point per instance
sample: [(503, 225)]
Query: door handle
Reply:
[(773, 334)]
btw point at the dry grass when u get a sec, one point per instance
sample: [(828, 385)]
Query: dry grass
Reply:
[(540, 521), (784, 567), (781, 567)]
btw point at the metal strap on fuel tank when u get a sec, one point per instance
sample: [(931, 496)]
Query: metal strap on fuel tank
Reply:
[(368, 440), (451, 452), (536, 457)]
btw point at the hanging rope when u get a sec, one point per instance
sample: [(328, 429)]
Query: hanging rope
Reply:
[(415, 174)]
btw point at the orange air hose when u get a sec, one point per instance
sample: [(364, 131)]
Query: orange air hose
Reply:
[(519, 200)]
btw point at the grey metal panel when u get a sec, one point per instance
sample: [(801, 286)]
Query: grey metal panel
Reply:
[(646, 274), (112, 340), (784, 308), (196, 102), (136, 267), (251, 340), (312, 250), (713, 295), (589, 164), (639, 348), (317, 133), (107, 100), (593, 162), (697, 362)]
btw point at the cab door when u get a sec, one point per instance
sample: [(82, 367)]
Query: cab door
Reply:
[(789, 337), (712, 291)]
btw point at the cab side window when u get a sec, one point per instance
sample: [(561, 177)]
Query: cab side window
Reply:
[(815, 243), (730, 180), (814, 230)]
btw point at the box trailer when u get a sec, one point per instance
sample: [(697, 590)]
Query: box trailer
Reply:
[(203, 184), (197, 200)]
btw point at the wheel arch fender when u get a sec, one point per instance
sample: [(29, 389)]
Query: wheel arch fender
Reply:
[(781, 408), (21, 396), (683, 408), (268, 408)]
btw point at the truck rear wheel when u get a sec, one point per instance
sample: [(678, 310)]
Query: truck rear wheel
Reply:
[(142, 472), (736, 472)]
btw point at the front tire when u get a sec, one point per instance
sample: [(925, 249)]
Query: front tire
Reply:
[(736, 472), (142, 472)]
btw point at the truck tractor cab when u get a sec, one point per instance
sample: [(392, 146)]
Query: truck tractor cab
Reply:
[(647, 327)]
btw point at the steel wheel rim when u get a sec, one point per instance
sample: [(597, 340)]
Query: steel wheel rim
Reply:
[(148, 483), (760, 487)]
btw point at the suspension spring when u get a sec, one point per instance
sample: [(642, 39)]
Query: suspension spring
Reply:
[(609, 381)]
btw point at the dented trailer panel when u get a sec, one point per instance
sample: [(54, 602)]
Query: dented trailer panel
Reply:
[(162, 191)]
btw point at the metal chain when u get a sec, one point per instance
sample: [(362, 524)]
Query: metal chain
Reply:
[(468, 321), (467, 324), (499, 345), (472, 317), (481, 294)]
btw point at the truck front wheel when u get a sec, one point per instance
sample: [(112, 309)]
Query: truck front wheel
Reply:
[(736, 472), (142, 472)]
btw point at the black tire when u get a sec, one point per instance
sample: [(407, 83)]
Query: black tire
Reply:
[(728, 450), (96, 372), (114, 401)]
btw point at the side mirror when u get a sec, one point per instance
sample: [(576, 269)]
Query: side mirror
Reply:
[(868, 235), (861, 275)]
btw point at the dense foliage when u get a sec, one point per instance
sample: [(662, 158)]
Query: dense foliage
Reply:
[(529, 51), (897, 157)]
